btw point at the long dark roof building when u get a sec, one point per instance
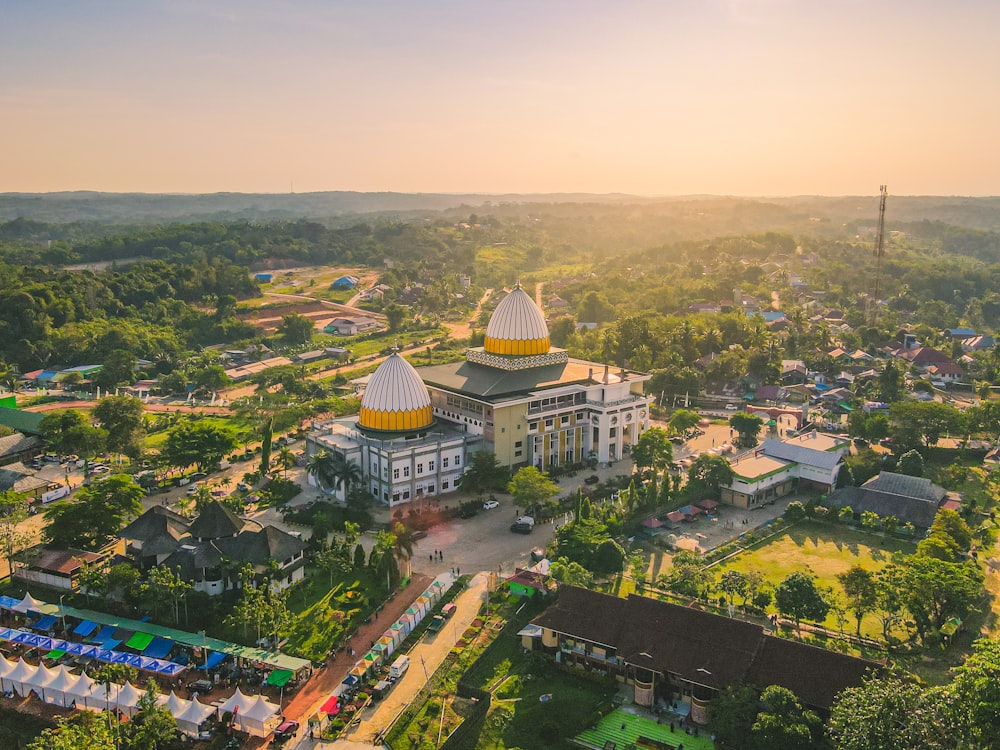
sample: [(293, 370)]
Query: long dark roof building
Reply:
[(911, 499), (696, 647)]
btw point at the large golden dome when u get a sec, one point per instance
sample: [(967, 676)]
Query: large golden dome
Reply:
[(396, 399), (517, 327)]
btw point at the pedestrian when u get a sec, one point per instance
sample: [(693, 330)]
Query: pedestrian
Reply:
[(453, 571), (671, 726), (623, 726), (430, 558), (458, 571)]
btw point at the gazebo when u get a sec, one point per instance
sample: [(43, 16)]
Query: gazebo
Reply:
[(190, 719), (259, 718), (18, 678)]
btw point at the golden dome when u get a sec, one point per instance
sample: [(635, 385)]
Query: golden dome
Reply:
[(396, 398), (517, 327)]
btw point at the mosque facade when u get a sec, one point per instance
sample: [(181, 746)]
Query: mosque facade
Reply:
[(517, 396)]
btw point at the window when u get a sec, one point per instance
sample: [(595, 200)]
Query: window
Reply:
[(613, 432), (406, 494), (517, 444), (532, 426), (430, 466), (420, 468), (430, 489), (565, 419), (503, 430), (458, 460), (444, 485), (395, 497), (548, 422), (517, 454), (406, 471), (374, 467), (395, 473)]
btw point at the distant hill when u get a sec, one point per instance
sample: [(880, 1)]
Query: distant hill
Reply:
[(343, 206)]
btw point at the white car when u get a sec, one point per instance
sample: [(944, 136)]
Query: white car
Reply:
[(491, 504), (731, 407)]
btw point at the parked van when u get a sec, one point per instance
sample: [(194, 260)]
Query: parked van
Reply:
[(399, 667)]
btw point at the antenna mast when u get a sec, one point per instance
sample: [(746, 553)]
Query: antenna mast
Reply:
[(879, 252)]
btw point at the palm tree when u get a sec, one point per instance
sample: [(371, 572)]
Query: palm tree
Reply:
[(320, 467), (350, 475), (286, 460)]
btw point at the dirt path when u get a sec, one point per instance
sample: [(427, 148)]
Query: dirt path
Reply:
[(464, 330), (53, 406)]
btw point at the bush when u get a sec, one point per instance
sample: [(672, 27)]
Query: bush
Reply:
[(795, 511)]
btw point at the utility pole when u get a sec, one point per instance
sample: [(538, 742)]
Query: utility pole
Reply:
[(879, 252)]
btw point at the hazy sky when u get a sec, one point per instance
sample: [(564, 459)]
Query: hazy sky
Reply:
[(668, 97)]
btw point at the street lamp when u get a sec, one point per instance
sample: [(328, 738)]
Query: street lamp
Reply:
[(62, 612)]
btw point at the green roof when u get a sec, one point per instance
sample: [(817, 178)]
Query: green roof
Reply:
[(279, 677), (491, 383), (21, 421), (276, 660), (139, 641)]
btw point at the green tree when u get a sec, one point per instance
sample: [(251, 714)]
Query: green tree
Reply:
[(976, 688), (531, 488), (267, 434), (595, 308), (98, 514), (687, 573), (890, 383), (797, 597), (571, 573), (747, 426), (708, 474), (653, 450), (296, 329), (122, 418), (152, 727), (919, 422), (13, 512), (783, 724), (682, 420), (485, 474), (84, 730), (911, 463), (859, 585), (394, 316), (734, 583), (731, 715), (286, 459), (69, 432), (200, 443), (935, 590)]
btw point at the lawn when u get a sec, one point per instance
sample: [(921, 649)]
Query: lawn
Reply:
[(517, 717), (823, 551), (17, 729)]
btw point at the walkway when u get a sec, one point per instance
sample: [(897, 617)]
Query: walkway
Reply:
[(425, 658)]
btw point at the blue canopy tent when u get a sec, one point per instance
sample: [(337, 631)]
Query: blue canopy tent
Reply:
[(158, 649), (111, 643), (5, 634), (148, 664), (213, 660), (106, 655), (85, 628), (120, 657), (106, 633), (82, 649), (351, 680), (45, 622), (169, 668), (134, 660), (8, 602)]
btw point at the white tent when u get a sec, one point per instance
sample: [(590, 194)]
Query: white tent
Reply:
[(236, 703), (103, 697), (17, 678), (58, 690), (193, 717), (259, 718), (175, 704), (40, 680), (6, 666), (78, 692), (27, 604), (128, 699)]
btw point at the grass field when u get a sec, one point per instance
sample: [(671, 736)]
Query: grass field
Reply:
[(823, 551), (517, 717)]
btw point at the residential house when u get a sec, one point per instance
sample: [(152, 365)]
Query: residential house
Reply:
[(17, 448), (248, 370), (923, 357), (671, 653), (26, 422), (958, 333), (946, 372), (793, 372), (211, 549), (345, 282), (19, 478), (350, 326), (555, 302), (61, 568), (978, 343), (910, 499)]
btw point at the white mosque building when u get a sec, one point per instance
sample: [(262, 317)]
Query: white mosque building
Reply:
[(517, 396)]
